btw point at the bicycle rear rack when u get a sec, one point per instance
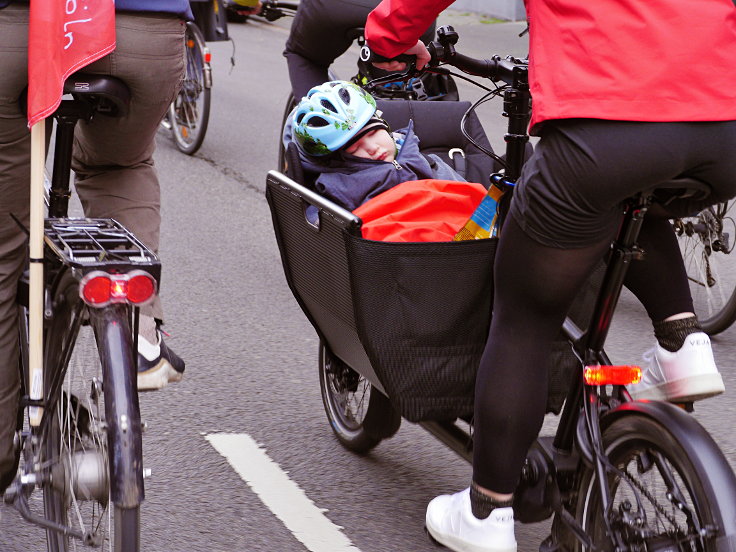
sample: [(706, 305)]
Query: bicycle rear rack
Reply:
[(88, 244)]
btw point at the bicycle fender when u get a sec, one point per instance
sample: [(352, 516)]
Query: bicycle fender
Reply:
[(122, 412), (705, 455)]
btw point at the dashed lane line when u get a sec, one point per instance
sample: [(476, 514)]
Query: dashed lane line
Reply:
[(280, 494)]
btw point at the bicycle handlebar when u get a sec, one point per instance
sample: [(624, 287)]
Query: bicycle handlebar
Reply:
[(442, 50), (271, 10)]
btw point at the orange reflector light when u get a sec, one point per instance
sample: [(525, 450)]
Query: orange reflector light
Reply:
[(612, 375), (99, 289)]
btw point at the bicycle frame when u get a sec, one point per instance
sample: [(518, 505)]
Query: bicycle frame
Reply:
[(75, 248)]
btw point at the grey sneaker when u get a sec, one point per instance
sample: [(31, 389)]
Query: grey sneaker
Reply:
[(157, 365), (687, 375)]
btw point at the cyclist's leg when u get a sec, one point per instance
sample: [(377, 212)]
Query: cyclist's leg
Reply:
[(113, 157), (14, 199), (565, 211), (663, 263)]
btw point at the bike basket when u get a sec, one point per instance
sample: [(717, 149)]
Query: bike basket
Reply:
[(412, 318), (422, 313)]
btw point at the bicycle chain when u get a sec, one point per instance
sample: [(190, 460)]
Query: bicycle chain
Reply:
[(649, 496)]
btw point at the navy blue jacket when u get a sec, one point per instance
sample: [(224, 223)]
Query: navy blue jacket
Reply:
[(178, 7), (350, 181)]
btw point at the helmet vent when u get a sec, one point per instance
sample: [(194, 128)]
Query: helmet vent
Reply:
[(328, 105), (344, 95), (318, 122)]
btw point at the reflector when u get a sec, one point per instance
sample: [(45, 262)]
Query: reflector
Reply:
[(96, 290), (99, 289), (612, 375), (141, 288)]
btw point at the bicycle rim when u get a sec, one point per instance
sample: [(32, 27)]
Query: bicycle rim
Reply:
[(189, 114), (707, 242), (290, 105), (346, 398), (75, 448), (654, 473)]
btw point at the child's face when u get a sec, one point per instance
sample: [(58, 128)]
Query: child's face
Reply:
[(375, 144)]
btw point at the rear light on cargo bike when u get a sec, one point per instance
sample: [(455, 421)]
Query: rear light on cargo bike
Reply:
[(99, 289), (612, 375)]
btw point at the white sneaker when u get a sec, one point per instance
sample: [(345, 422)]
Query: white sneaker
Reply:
[(689, 374), (451, 522)]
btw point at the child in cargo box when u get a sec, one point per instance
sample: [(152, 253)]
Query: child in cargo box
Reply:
[(367, 169)]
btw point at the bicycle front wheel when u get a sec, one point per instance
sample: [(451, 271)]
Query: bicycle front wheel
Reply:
[(74, 441), (360, 416), (659, 500), (707, 244), (189, 114), (290, 105)]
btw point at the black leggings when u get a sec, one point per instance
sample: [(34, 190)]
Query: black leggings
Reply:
[(543, 260)]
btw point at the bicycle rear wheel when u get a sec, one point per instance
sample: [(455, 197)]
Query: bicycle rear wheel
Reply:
[(707, 243), (660, 501), (189, 114), (360, 416), (74, 444)]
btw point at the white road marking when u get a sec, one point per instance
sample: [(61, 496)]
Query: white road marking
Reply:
[(280, 494)]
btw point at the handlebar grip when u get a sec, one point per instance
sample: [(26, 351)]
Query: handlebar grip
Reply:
[(368, 55)]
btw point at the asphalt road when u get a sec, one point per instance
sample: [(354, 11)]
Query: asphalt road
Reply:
[(252, 356)]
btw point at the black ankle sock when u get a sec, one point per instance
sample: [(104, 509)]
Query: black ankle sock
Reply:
[(671, 334), (482, 505)]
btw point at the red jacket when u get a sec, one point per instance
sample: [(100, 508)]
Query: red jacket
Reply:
[(630, 60)]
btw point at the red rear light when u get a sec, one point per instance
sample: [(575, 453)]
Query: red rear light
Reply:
[(96, 291), (99, 289), (141, 288), (207, 56), (612, 375)]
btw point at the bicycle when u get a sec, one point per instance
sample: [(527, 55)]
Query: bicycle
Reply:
[(189, 113), (81, 441), (617, 475), (707, 241)]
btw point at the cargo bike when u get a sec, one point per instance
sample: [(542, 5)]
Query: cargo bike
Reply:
[(402, 327)]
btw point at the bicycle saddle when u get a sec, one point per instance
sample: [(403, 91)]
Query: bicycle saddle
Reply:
[(681, 187), (111, 95)]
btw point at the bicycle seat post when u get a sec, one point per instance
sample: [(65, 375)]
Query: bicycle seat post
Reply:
[(66, 116)]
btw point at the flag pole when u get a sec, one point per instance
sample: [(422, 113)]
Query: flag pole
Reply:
[(35, 292)]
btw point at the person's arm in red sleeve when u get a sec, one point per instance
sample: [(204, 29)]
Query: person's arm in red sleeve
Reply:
[(394, 27)]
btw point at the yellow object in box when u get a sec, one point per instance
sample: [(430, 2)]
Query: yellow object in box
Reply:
[(246, 3), (482, 223)]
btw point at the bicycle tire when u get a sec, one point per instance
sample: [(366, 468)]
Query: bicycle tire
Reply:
[(360, 415), (189, 113), (648, 448), (707, 244), (290, 105), (74, 446)]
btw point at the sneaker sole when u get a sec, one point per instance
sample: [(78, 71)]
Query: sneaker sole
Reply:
[(158, 377), (461, 546), (690, 389)]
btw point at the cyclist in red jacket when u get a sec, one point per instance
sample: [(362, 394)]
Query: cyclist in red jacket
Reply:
[(627, 94)]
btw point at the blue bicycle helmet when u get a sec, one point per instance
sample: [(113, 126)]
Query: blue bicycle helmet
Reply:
[(330, 115)]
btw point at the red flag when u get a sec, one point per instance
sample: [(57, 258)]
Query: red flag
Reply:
[(63, 37)]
